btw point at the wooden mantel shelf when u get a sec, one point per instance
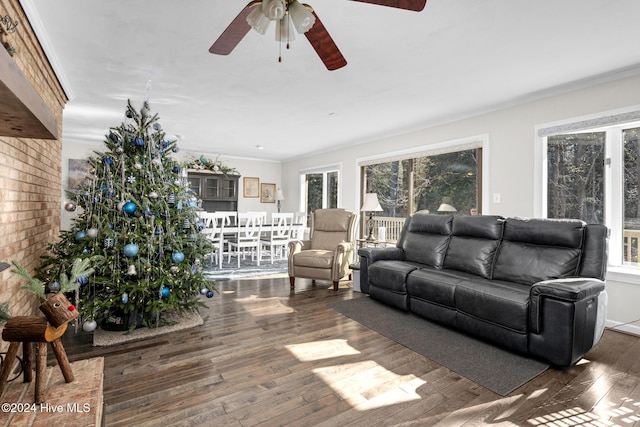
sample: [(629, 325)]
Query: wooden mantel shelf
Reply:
[(23, 113)]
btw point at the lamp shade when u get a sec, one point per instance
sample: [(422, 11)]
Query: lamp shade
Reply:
[(301, 17), (258, 20), (279, 194), (284, 32), (274, 9), (370, 203), (446, 205)]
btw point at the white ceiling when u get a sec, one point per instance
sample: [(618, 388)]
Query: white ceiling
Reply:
[(405, 70)]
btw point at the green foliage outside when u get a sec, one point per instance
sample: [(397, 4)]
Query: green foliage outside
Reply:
[(407, 186)]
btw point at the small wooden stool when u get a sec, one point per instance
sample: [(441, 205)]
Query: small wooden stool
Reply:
[(40, 330)]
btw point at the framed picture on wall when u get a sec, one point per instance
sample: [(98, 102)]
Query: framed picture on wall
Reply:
[(251, 187), (267, 193), (78, 173)]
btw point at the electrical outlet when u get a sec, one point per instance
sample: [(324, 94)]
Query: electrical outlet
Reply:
[(496, 197)]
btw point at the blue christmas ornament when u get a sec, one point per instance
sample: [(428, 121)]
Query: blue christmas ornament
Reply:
[(177, 257), (83, 280), (129, 208), (165, 292), (81, 235), (124, 298), (131, 250), (54, 286), (108, 161), (209, 294), (139, 141), (176, 169)]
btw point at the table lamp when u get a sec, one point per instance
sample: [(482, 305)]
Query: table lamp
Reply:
[(371, 205), (279, 197)]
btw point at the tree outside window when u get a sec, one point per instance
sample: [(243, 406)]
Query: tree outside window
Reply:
[(423, 183)]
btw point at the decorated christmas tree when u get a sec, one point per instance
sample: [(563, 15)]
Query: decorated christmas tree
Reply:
[(137, 222)]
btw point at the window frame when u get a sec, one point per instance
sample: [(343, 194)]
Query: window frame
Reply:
[(466, 143), (325, 171), (612, 123)]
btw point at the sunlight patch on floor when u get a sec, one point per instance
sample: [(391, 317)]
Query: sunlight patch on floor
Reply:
[(264, 306), (367, 385), (318, 350), (608, 414)]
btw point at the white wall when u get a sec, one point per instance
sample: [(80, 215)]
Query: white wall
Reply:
[(511, 167)]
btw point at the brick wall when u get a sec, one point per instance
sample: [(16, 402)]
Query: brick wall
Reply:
[(30, 174)]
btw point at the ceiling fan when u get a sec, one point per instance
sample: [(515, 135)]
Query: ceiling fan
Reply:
[(258, 14)]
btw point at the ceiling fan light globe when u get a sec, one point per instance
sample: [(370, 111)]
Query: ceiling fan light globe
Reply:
[(258, 20), (274, 9), (283, 31), (301, 17)]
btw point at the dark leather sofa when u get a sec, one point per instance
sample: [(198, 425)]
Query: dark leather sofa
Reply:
[(533, 286)]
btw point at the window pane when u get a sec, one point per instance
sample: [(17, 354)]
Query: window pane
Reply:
[(447, 181), (332, 189), (314, 192), (575, 176), (630, 138), (389, 181), (407, 186)]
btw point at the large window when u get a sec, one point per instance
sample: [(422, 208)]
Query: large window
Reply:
[(319, 189), (594, 175), (437, 183)]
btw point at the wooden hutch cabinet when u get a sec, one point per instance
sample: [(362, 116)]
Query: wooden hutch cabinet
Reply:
[(218, 192)]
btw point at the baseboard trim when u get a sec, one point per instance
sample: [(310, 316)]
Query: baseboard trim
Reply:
[(628, 328)]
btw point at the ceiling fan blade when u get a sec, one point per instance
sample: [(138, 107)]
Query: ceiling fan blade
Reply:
[(414, 5), (324, 46), (234, 33)]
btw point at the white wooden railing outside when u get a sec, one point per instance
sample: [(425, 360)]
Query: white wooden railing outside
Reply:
[(392, 225)]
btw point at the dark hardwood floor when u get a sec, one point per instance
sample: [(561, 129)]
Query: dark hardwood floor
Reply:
[(268, 357)]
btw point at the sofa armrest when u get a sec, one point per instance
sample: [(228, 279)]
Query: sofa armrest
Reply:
[(375, 254), (369, 255), (571, 289)]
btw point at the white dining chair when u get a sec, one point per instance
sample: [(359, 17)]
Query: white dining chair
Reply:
[(214, 224), (247, 237), (279, 235), (299, 225)]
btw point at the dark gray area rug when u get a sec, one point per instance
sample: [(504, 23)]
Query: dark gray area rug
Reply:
[(493, 368), (248, 269)]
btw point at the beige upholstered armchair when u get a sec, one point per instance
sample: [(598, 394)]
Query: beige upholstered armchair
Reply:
[(329, 250)]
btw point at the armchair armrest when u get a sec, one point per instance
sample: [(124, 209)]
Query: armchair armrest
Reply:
[(572, 289), (299, 245)]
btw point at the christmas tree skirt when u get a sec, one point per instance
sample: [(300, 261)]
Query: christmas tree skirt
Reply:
[(182, 321)]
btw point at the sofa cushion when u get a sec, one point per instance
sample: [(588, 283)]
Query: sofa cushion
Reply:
[(427, 239), (473, 244), (435, 286), (390, 275), (539, 249), (502, 303)]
